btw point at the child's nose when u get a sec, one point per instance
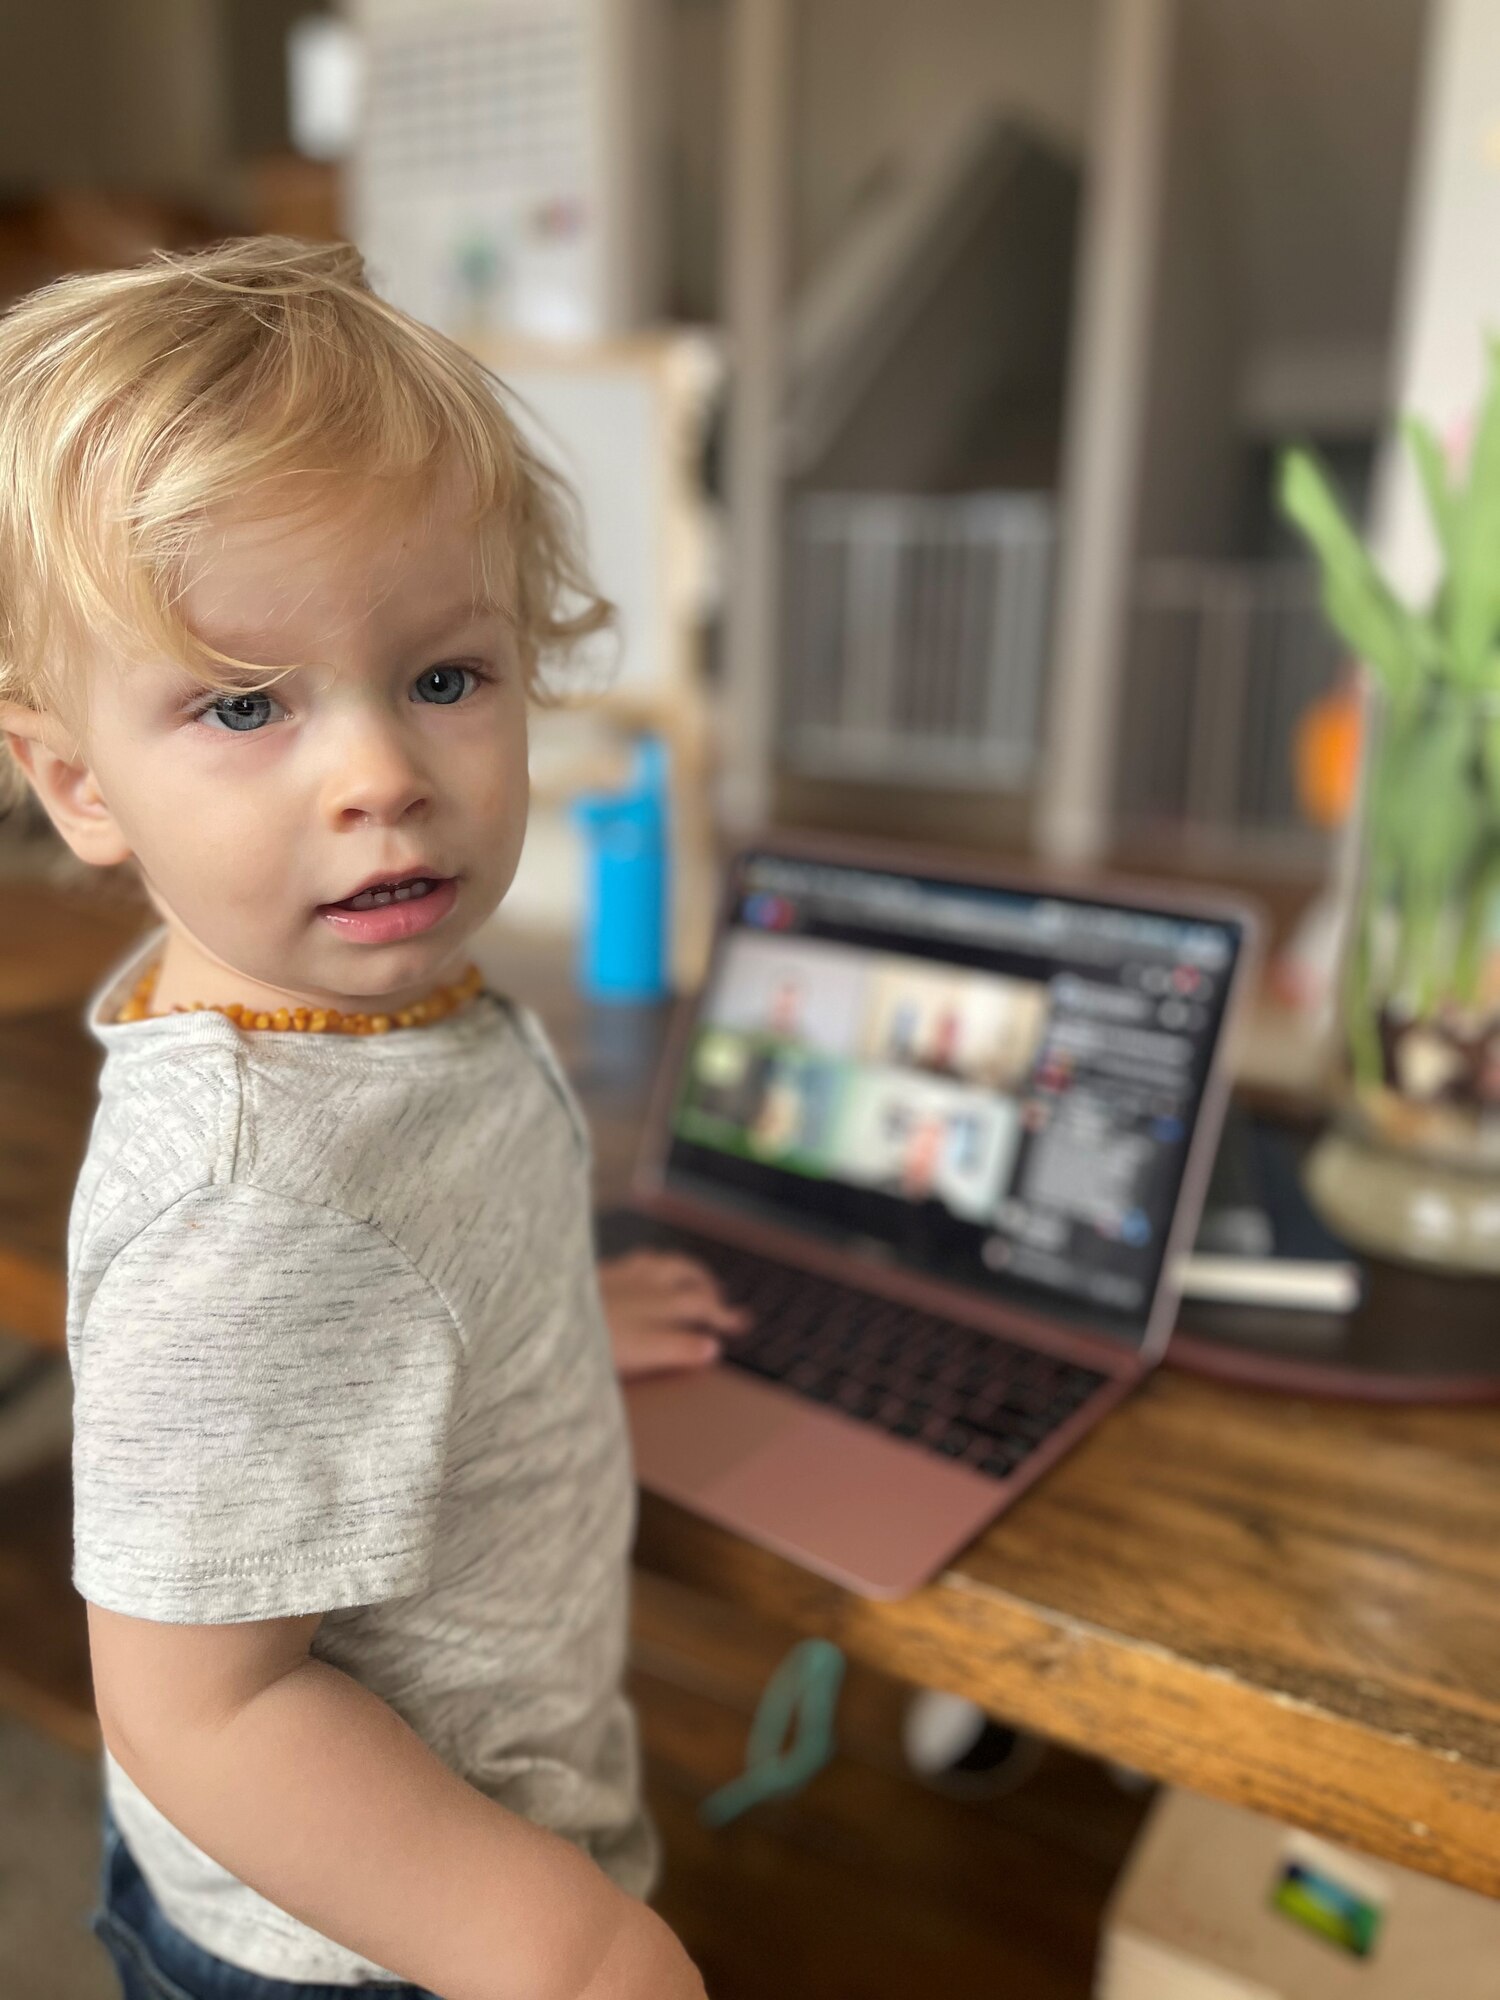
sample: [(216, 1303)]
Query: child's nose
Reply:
[(375, 772)]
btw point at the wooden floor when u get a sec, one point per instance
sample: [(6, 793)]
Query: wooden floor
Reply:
[(868, 1886)]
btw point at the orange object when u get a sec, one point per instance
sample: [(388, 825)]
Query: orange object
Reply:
[(1326, 753), (443, 1000)]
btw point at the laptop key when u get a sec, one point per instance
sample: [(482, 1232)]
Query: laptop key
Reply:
[(827, 1386), (1001, 1462)]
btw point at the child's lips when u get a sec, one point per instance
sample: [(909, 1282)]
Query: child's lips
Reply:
[(389, 922)]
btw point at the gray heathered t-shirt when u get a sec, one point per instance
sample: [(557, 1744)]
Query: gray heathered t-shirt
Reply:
[(337, 1346)]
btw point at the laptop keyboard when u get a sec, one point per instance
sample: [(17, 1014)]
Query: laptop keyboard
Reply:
[(971, 1397)]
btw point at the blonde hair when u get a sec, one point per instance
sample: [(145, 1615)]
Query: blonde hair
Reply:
[(135, 402)]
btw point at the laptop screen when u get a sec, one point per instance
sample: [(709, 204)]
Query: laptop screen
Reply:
[(997, 1087)]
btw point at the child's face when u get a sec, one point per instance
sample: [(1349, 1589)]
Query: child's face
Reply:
[(400, 745)]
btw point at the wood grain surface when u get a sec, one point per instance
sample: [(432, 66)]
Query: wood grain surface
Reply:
[(1291, 1605)]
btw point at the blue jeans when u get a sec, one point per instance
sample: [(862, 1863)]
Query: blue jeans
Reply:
[(156, 1962)]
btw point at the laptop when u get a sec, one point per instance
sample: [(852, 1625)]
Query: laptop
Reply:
[(945, 1134)]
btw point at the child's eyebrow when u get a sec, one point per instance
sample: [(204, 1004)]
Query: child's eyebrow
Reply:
[(456, 617), (468, 611), (223, 679)]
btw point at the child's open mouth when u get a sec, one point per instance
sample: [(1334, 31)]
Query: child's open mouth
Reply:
[(385, 913), (403, 892)]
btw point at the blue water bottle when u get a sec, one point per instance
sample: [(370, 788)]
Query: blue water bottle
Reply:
[(623, 946)]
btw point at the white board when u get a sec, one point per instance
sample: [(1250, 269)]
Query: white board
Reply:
[(602, 427)]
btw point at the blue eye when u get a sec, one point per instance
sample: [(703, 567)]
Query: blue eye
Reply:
[(451, 688), (240, 713)]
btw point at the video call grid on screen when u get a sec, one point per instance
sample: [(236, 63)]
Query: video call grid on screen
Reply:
[(997, 1087)]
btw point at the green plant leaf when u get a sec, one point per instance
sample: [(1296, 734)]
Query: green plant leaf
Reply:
[(1476, 928), (1357, 599), (1443, 814), (1400, 646), (1473, 600), (1359, 1002), (1436, 818), (1442, 502)]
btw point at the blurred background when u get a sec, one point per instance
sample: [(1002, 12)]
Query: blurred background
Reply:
[(923, 370), (952, 346)]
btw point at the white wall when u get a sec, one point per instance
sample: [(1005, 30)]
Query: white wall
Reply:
[(1450, 287)]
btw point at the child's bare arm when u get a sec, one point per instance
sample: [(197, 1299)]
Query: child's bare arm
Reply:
[(314, 1791)]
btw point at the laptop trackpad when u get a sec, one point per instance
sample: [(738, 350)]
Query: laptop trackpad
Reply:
[(689, 1430), (839, 1496)]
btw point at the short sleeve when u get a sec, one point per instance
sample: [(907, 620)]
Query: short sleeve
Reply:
[(262, 1397)]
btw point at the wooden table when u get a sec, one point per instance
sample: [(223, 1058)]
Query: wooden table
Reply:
[(1291, 1605)]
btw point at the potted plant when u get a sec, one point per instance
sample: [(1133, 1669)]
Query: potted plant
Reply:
[(1412, 1164)]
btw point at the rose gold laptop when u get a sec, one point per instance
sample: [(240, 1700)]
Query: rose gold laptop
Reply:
[(946, 1134)]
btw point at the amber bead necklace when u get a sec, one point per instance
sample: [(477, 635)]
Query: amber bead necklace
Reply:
[(442, 1001)]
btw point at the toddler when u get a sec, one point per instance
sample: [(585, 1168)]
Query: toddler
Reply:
[(353, 1504)]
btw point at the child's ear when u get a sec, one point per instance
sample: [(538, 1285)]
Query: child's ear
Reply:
[(65, 784)]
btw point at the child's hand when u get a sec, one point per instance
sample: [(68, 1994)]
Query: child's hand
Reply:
[(664, 1311)]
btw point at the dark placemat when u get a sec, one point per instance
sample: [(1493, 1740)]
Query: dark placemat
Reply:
[(1416, 1336)]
